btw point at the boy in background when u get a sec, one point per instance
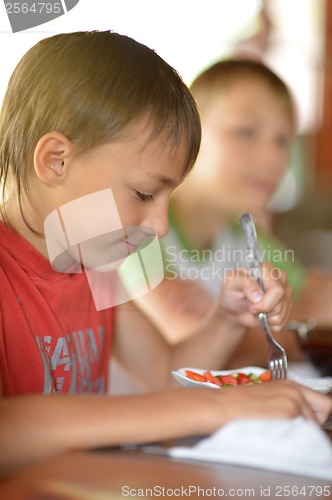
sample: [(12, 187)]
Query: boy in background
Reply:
[(248, 125)]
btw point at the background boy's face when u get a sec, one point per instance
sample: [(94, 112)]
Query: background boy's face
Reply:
[(247, 130)]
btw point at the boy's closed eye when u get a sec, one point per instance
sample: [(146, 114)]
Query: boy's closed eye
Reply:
[(144, 197)]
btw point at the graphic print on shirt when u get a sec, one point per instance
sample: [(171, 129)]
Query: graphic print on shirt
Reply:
[(72, 363)]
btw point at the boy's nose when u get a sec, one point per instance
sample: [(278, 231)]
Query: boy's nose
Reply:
[(158, 220), (271, 156)]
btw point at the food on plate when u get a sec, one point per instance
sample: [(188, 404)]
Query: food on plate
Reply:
[(229, 380), (245, 375)]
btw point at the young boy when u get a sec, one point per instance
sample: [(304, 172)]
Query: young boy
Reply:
[(83, 113), (248, 122)]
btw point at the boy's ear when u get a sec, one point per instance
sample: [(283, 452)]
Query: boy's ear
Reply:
[(51, 157)]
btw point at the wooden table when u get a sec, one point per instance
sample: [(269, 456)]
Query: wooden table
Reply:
[(116, 473)]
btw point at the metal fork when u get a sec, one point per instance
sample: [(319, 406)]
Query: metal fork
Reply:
[(277, 359)]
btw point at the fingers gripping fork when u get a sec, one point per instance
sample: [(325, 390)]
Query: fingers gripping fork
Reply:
[(277, 360)]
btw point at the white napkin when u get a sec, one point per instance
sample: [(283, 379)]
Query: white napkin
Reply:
[(296, 446)]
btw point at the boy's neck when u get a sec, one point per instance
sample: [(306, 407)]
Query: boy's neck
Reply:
[(13, 217)]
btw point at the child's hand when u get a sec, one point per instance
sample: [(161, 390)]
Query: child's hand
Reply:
[(242, 297)]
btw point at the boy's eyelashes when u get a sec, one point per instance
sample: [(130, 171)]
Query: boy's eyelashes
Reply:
[(144, 197)]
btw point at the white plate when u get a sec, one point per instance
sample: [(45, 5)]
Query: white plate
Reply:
[(322, 385)]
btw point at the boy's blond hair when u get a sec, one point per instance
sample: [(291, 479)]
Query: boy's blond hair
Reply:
[(224, 74), (90, 86)]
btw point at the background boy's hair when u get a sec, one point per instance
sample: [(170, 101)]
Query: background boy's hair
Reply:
[(224, 74), (91, 86)]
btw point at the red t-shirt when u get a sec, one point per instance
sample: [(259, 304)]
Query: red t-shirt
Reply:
[(52, 339)]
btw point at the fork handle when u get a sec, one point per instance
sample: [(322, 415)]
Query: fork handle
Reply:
[(249, 230), (259, 279)]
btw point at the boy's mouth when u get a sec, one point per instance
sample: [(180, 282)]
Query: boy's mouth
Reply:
[(129, 246), (262, 185), (136, 236)]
